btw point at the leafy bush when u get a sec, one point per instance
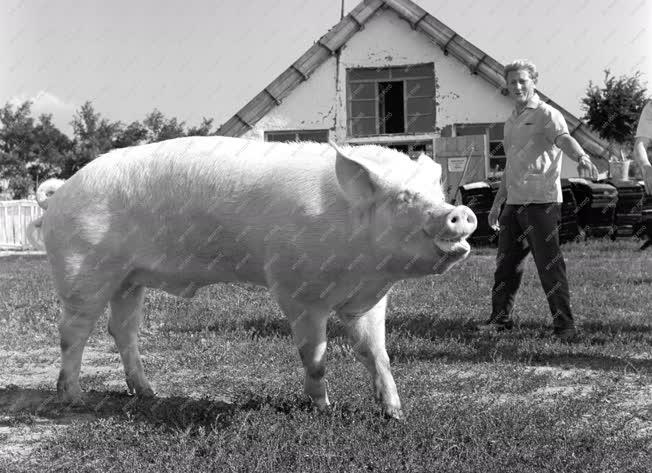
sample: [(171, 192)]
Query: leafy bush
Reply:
[(21, 186), (613, 110)]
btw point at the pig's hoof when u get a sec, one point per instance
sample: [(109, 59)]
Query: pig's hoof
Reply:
[(77, 402), (72, 399), (141, 390), (322, 405), (145, 392), (393, 413), (70, 393), (324, 408)]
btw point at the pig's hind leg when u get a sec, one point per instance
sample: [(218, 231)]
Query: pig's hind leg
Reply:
[(75, 326), (126, 316), (84, 286), (366, 332)]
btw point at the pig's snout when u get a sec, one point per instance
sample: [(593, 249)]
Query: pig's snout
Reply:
[(455, 225), (459, 223)]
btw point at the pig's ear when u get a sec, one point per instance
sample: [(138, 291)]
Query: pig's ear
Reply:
[(430, 166), (355, 177)]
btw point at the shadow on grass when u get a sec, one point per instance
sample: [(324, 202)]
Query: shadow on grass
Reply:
[(424, 325), (486, 350), (22, 404), (527, 343), (259, 327), (419, 325), (428, 339)]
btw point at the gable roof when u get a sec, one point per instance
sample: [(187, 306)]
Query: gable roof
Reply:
[(478, 62)]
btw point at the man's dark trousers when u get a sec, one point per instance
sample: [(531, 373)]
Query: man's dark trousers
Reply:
[(536, 225)]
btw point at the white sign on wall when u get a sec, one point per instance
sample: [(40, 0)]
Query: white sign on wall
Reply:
[(456, 164)]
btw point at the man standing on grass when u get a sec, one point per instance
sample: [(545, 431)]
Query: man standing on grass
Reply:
[(535, 136), (643, 140)]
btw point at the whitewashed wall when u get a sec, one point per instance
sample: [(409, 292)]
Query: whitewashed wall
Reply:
[(311, 105), (386, 40)]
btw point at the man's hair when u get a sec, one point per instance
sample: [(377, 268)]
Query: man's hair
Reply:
[(522, 65)]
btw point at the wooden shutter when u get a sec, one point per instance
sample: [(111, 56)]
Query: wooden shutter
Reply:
[(363, 108), (419, 98), (420, 105)]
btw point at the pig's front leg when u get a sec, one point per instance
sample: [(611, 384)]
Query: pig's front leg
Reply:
[(366, 332), (309, 331)]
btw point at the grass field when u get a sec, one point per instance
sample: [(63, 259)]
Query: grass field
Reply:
[(229, 380)]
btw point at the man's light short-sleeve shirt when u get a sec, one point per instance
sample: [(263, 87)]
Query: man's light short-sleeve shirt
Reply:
[(644, 128), (533, 168)]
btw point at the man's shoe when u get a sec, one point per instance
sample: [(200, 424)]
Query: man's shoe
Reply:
[(494, 325), (568, 334)]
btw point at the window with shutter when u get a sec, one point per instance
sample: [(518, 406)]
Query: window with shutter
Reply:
[(391, 100)]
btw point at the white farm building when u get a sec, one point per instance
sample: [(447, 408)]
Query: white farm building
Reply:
[(390, 73)]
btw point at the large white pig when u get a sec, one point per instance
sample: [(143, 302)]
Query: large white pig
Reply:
[(326, 229)]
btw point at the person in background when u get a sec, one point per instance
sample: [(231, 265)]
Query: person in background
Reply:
[(643, 141), (535, 136)]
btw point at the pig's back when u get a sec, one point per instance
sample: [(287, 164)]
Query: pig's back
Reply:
[(191, 199), (199, 170), (211, 173)]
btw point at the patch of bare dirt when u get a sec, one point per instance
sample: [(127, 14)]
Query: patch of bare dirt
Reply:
[(30, 412), (29, 409)]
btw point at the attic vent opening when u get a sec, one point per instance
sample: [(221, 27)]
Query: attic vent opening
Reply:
[(391, 107)]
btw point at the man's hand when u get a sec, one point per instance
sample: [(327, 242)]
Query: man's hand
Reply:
[(572, 149), (494, 213), (586, 168)]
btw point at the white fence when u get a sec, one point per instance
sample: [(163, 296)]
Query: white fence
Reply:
[(15, 215)]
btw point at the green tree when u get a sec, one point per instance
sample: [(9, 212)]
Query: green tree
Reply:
[(20, 186), (93, 135), (52, 146), (160, 128), (90, 128), (133, 134), (202, 130), (38, 171), (29, 152), (613, 110), (17, 143)]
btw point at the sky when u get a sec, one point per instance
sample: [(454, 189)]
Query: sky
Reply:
[(207, 58)]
